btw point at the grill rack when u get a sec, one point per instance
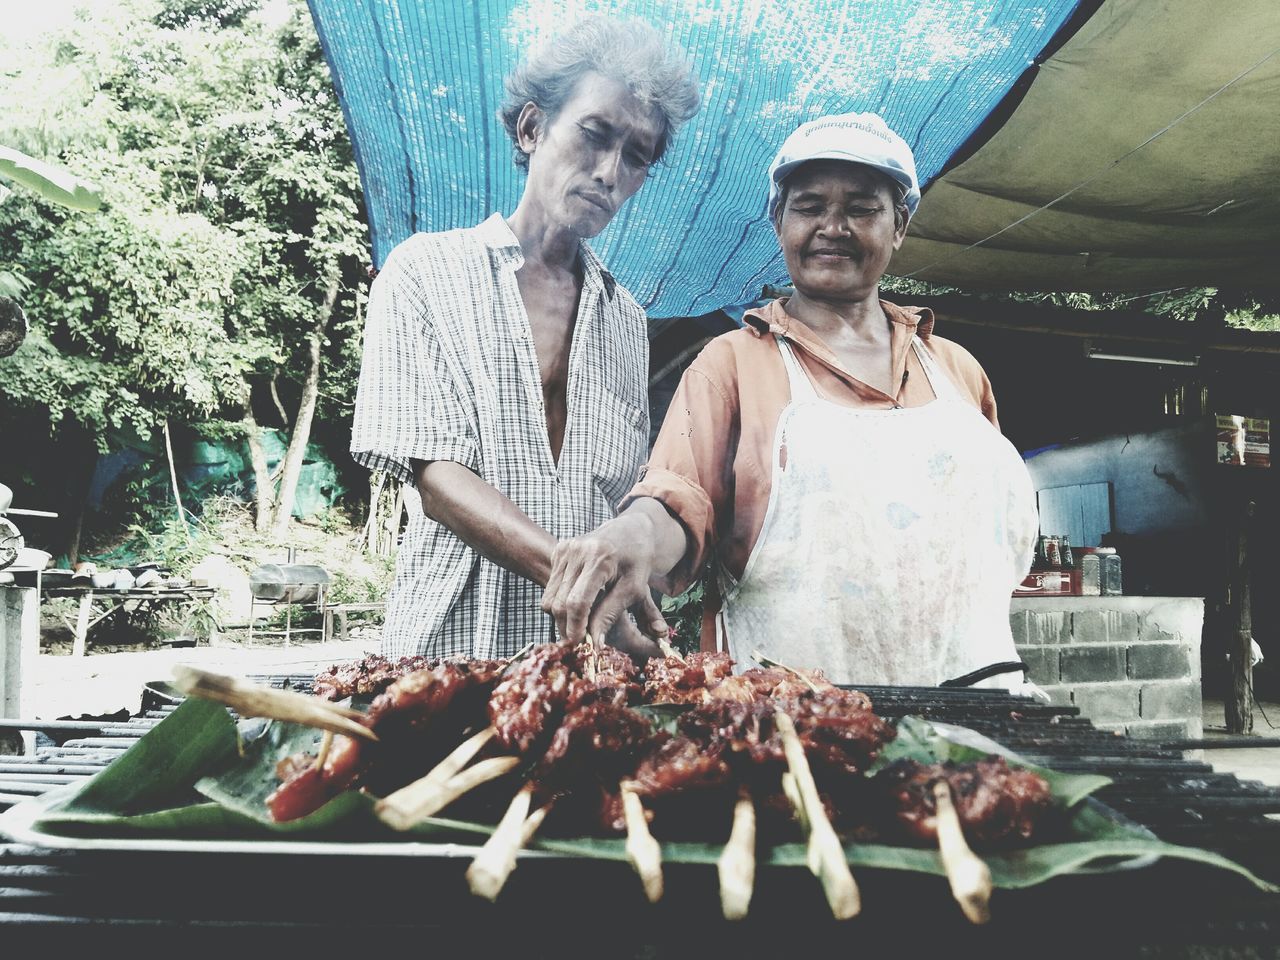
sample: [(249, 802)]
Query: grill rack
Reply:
[(65, 896)]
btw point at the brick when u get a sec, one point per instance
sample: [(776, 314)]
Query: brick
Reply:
[(1048, 626), (1091, 664), (1161, 730), (1176, 700), (1042, 663), (1104, 626), (1058, 695), (1018, 624), (1159, 661), (1108, 701), (1174, 621)]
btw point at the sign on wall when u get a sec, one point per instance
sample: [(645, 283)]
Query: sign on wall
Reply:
[(1244, 441)]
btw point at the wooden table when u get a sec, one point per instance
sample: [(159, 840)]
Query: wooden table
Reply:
[(95, 604)]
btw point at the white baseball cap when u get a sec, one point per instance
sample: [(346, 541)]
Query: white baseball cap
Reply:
[(856, 137)]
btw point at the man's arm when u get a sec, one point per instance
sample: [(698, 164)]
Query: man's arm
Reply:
[(498, 530), (597, 578), (484, 518)]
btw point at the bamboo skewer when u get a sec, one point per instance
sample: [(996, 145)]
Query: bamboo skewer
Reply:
[(969, 877), (826, 854), (496, 860), (592, 667), (764, 661), (515, 658), (326, 743), (643, 851), (410, 805), (667, 650), (254, 700), (532, 824), (737, 864)]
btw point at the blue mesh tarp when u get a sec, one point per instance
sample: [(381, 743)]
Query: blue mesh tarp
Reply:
[(421, 81)]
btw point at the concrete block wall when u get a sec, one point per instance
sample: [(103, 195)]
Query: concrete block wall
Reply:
[(19, 645), (1129, 663)]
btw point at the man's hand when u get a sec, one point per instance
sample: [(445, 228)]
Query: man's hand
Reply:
[(626, 636), (597, 578)]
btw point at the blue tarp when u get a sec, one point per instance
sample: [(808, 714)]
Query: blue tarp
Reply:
[(421, 81)]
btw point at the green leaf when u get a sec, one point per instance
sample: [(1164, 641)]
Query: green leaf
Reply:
[(927, 742), (662, 716), (50, 182), (152, 791), (161, 769)]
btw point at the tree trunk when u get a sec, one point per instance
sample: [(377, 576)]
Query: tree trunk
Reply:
[(81, 469), (306, 410), (261, 475), (1239, 705), (275, 397), (369, 532), (173, 478)]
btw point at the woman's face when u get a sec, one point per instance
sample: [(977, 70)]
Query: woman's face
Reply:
[(837, 229)]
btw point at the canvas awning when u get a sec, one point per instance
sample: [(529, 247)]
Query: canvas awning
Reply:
[(1144, 155), (421, 83), (1197, 205)]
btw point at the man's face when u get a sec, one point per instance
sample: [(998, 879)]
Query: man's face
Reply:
[(837, 229), (592, 156)]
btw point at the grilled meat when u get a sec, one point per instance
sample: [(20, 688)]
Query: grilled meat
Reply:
[(676, 680), (995, 802)]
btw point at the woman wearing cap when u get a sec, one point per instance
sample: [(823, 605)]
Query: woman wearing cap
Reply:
[(839, 462)]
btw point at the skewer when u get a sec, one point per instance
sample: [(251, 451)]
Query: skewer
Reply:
[(737, 864), (969, 877), (764, 661), (667, 650), (492, 866), (410, 805), (826, 854), (515, 658), (254, 700), (326, 743), (592, 667), (412, 802), (792, 793), (643, 851), (532, 824)]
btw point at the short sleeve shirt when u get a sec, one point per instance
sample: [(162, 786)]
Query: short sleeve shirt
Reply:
[(449, 372)]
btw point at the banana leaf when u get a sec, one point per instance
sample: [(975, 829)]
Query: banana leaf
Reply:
[(193, 776), (49, 181)]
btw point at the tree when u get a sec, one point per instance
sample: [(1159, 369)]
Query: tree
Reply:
[(226, 260), (53, 184)]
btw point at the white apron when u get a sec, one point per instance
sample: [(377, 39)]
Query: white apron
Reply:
[(892, 542)]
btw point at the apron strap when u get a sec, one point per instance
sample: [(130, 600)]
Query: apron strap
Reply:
[(801, 386), (939, 382)]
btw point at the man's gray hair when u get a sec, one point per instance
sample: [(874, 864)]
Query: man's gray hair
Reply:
[(630, 51)]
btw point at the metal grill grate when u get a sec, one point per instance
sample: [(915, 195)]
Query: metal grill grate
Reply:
[(74, 897)]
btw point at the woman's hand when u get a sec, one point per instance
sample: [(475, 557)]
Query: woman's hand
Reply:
[(595, 579)]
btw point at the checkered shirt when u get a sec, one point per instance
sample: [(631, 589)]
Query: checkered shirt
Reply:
[(449, 373)]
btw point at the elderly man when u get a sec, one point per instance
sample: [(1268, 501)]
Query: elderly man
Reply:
[(505, 370)]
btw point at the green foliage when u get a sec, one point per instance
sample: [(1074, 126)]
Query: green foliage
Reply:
[(152, 791), (1251, 310), (683, 613), (230, 199), (49, 182)]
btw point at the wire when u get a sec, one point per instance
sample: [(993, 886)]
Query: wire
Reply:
[(1258, 703), (1105, 170)]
